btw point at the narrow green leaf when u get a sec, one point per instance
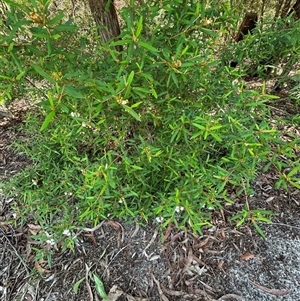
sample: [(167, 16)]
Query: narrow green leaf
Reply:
[(17, 62), (135, 167), (128, 84), (139, 27), (100, 287), (41, 72), (130, 78), (33, 49), (215, 127), (121, 42), (66, 27), (174, 77), (11, 47), (216, 137), (240, 222), (146, 91), (295, 184), (56, 19), (259, 230), (148, 46), (136, 104), (209, 32), (185, 50), (154, 93), (71, 91), (293, 171), (49, 46), (76, 285), (14, 4), (263, 219), (20, 75), (132, 113), (108, 5), (47, 120), (199, 126)]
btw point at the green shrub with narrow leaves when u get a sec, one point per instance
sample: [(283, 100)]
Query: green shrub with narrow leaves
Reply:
[(162, 130)]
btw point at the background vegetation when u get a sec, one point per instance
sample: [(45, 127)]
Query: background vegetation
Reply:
[(164, 130)]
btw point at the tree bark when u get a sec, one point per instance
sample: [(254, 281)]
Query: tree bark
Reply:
[(247, 26), (285, 8), (296, 10), (105, 16)]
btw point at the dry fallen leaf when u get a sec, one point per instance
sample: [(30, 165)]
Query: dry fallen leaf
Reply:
[(168, 232), (40, 269), (34, 229), (247, 256), (114, 293), (220, 264), (115, 225)]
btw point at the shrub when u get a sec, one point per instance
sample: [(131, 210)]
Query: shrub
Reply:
[(161, 130)]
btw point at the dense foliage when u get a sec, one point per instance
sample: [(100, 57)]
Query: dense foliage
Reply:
[(163, 130)]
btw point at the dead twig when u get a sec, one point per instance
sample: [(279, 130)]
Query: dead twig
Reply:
[(230, 296), (91, 229), (161, 294), (150, 243), (285, 225), (17, 253), (271, 291)]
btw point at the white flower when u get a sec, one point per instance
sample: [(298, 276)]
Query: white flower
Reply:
[(159, 219), (73, 114), (34, 182), (84, 125), (50, 242), (178, 209), (67, 232)]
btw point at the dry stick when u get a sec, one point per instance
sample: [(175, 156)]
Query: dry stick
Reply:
[(161, 294), (113, 259), (272, 291), (91, 229), (237, 297), (17, 253), (286, 225), (89, 289), (150, 243)]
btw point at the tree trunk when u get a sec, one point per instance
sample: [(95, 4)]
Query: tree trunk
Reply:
[(247, 26), (285, 8), (105, 16), (296, 10)]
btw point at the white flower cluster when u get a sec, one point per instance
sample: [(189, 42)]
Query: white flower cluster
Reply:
[(50, 241), (74, 114), (160, 19), (179, 209), (67, 232), (159, 219)]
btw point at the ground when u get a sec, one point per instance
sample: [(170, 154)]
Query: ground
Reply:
[(140, 262)]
